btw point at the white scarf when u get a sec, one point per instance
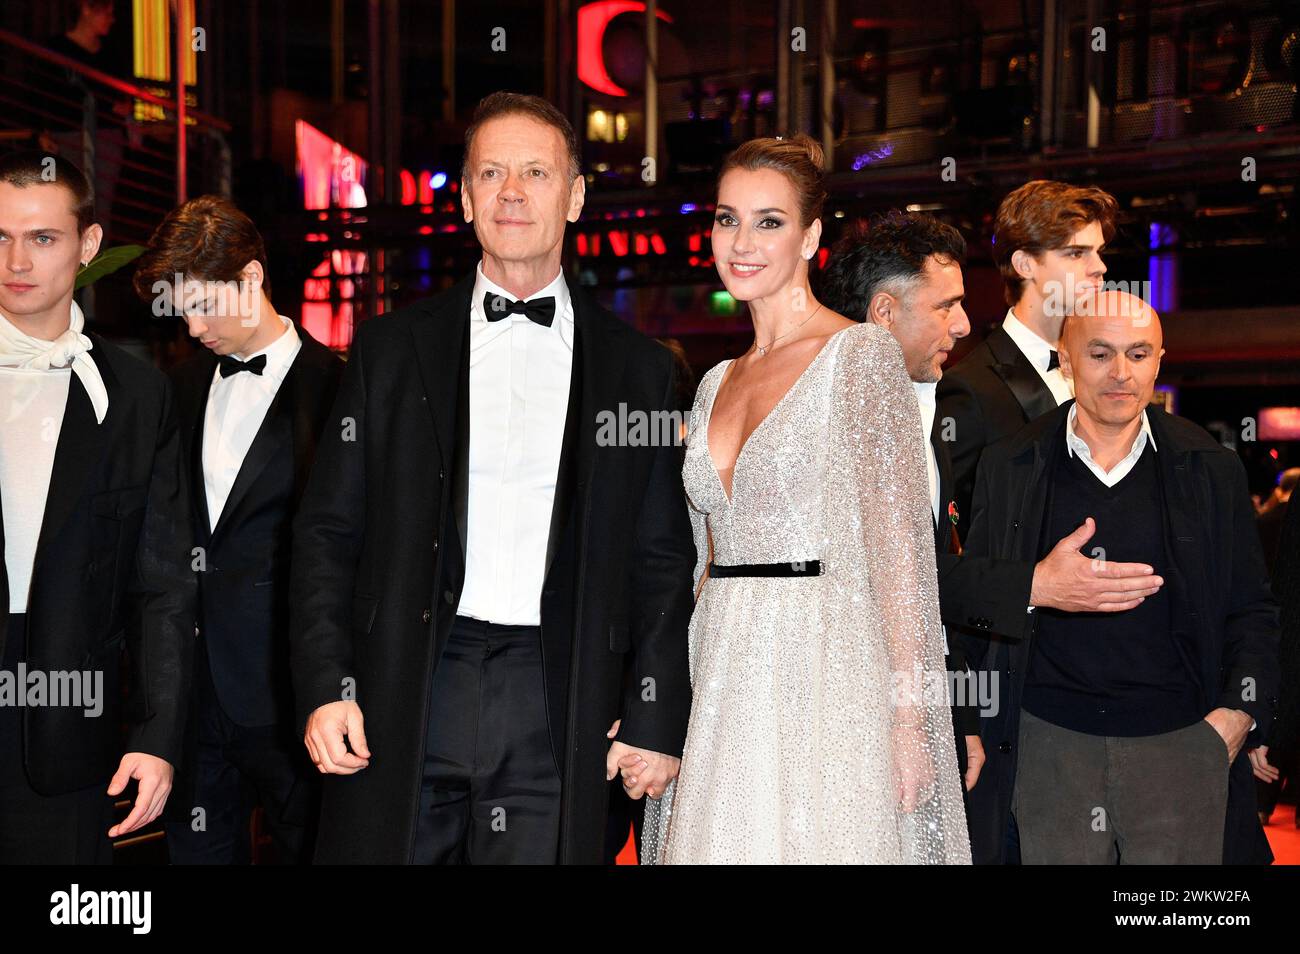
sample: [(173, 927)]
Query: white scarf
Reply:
[(70, 349)]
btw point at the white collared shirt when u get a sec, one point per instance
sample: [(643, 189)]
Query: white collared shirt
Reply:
[(32, 405), (1039, 353), (237, 405), (1074, 444), (518, 398), (925, 397)]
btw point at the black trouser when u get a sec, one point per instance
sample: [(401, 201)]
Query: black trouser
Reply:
[(235, 768), (491, 791), (66, 829)]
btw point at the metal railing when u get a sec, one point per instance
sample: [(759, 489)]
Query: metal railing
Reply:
[(140, 151)]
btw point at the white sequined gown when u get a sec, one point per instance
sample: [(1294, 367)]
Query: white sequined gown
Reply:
[(811, 703)]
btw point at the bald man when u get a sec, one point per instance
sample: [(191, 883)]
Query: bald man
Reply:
[(1122, 737)]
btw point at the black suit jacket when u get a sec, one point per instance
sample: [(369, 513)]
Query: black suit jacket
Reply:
[(1224, 617), (112, 571), (379, 565), (988, 395), (244, 580), (977, 595)]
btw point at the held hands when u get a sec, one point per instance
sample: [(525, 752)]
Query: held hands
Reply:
[(1233, 726), (326, 729), (1068, 580), (644, 772), (155, 778)]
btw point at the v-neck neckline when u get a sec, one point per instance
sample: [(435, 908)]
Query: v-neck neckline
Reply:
[(708, 422)]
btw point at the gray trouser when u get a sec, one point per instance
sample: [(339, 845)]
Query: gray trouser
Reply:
[(1092, 799)]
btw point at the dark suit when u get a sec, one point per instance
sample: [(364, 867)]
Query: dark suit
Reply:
[(112, 571), (990, 394), (1223, 615), (976, 596), (379, 564), (242, 673)]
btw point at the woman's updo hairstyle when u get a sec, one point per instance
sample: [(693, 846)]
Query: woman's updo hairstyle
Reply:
[(799, 158)]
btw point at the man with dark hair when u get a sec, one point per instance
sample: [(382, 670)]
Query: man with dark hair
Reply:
[(902, 271), (96, 543), (474, 570), (1047, 242), (1124, 737), (252, 405)]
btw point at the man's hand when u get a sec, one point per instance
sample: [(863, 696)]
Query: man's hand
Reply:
[(1259, 762), (975, 760), (155, 778), (326, 729), (644, 772), (1233, 726), (1067, 580)]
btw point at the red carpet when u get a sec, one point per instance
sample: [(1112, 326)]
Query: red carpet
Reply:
[(1282, 833), (1283, 836)]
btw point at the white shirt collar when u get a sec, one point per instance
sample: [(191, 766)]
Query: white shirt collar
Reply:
[(1074, 444), (280, 352), (925, 396), (1038, 351)]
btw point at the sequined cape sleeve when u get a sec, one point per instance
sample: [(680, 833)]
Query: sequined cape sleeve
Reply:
[(880, 533)]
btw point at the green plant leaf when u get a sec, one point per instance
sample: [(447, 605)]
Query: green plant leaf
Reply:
[(107, 262)]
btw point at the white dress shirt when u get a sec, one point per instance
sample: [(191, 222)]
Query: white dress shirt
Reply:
[(925, 396), (518, 398), (1074, 444), (1039, 353), (237, 405), (32, 404)]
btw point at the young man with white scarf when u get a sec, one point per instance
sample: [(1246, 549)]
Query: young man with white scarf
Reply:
[(96, 541)]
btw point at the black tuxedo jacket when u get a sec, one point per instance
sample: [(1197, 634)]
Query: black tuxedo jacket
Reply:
[(379, 564), (1224, 618), (988, 395), (112, 571), (244, 577)]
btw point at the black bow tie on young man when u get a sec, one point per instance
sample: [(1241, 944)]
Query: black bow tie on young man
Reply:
[(1054, 361), (540, 310), (229, 364)]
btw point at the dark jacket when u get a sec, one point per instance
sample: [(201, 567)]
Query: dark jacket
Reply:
[(244, 582), (977, 595), (988, 395), (379, 565), (1223, 615), (112, 572)]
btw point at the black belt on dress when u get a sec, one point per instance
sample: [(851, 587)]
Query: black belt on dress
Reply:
[(798, 568)]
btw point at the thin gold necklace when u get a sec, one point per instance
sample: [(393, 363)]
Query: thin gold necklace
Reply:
[(763, 351)]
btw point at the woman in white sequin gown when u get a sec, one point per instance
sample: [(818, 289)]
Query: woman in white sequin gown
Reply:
[(819, 729)]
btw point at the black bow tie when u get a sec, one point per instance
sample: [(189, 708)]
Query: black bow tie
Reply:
[(1054, 361), (540, 310), (231, 365)]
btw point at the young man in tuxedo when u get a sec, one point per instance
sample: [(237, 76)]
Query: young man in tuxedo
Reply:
[(474, 570), (96, 541), (1125, 736), (251, 405), (1047, 242), (903, 271)]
